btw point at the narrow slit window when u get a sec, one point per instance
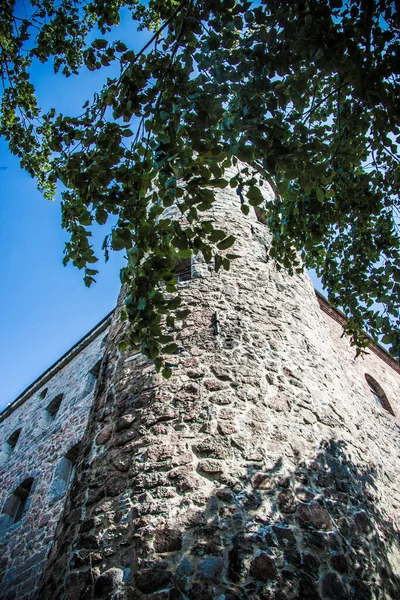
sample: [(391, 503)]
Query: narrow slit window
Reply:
[(63, 474), (379, 395), (91, 378), (13, 439), (16, 505), (50, 412), (9, 446), (54, 406), (43, 393), (183, 269), (376, 396)]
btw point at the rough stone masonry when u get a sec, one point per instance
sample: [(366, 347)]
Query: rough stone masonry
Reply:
[(38, 457), (266, 468)]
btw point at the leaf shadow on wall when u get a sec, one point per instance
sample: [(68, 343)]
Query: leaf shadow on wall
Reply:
[(322, 536), (325, 537)]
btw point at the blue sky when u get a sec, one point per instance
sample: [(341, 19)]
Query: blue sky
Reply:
[(45, 307)]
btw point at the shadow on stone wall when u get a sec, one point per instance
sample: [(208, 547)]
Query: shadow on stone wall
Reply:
[(314, 533), (324, 538)]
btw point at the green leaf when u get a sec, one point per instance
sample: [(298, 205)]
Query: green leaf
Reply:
[(128, 56), (219, 183), (88, 280), (101, 216), (184, 253), (170, 348), (99, 44), (165, 339), (182, 314), (166, 372), (255, 196), (174, 303), (218, 260), (120, 47), (118, 243), (226, 243), (217, 235)]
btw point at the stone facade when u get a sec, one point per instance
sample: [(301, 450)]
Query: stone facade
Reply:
[(263, 469), (49, 421)]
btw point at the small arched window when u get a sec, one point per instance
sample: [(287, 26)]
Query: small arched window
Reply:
[(54, 406), (16, 505), (92, 378), (378, 393), (183, 269), (9, 445), (50, 412), (13, 439), (63, 474), (43, 393)]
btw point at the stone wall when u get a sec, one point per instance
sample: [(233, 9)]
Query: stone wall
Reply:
[(263, 469), (38, 454)]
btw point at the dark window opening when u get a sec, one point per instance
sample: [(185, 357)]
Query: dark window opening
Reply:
[(50, 412), (378, 394), (16, 505), (54, 406), (73, 453), (43, 393), (91, 378), (183, 269), (95, 371), (13, 439), (63, 474), (8, 446)]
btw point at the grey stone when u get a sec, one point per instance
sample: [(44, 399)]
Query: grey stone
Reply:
[(333, 588), (185, 568), (168, 540), (314, 515), (151, 580), (363, 522), (104, 435), (124, 422), (287, 502), (106, 584), (211, 567), (308, 417), (263, 568), (339, 563)]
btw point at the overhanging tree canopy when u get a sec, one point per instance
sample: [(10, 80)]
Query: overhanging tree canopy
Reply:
[(305, 93)]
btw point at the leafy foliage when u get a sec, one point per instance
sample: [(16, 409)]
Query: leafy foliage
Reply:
[(305, 93)]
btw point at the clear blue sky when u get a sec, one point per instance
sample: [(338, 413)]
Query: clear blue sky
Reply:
[(45, 307)]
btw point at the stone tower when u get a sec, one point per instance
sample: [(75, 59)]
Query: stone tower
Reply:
[(263, 469)]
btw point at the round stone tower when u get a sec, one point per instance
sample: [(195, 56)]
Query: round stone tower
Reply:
[(263, 469)]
